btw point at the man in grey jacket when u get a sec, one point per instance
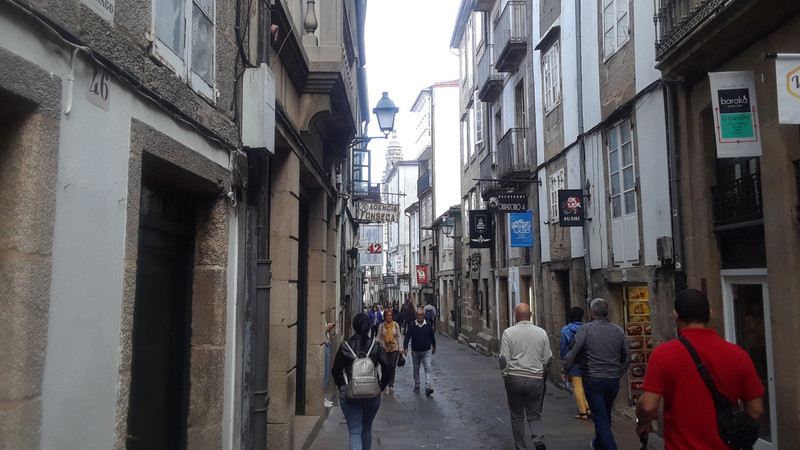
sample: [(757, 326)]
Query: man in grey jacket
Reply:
[(603, 354), (525, 356)]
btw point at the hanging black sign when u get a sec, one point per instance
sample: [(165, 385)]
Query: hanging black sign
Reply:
[(570, 207), (481, 229), (508, 203)]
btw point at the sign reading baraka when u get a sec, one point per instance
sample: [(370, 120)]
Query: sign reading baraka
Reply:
[(378, 212)]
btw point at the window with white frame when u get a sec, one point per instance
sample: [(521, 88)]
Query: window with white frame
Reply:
[(621, 174), (615, 25), (478, 106), (185, 40), (465, 140), (556, 184), (471, 116), (552, 78)]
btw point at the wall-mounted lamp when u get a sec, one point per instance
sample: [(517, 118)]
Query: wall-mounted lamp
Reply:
[(385, 111)]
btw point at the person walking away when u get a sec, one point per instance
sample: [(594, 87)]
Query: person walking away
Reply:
[(389, 337), (603, 354), (574, 374), (359, 412), (423, 347), (408, 315), (525, 357), (430, 314), (690, 418), (375, 319)]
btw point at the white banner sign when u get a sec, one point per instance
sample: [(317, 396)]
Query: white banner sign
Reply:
[(370, 245), (787, 79), (378, 212), (733, 97)]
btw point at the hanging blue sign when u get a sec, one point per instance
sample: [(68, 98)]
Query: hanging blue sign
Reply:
[(521, 229)]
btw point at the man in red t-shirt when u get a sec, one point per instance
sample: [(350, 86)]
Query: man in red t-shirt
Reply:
[(689, 412)]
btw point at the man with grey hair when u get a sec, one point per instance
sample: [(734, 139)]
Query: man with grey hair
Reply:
[(603, 354)]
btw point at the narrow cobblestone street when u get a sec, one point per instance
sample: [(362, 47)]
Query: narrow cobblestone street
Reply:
[(468, 410)]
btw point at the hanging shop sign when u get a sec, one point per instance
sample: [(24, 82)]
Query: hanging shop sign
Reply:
[(481, 229), (521, 229), (422, 274), (508, 203), (370, 245), (787, 76), (378, 212), (570, 207), (733, 97)]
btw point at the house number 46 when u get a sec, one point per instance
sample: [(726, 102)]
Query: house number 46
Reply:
[(99, 89)]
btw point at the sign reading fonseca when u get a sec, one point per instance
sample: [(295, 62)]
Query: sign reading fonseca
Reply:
[(508, 203), (378, 212)]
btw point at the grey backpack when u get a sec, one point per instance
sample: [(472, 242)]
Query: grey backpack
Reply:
[(364, 381)]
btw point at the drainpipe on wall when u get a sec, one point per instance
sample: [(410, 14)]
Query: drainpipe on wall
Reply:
[(587, 260), (670, 94), (255, 351)]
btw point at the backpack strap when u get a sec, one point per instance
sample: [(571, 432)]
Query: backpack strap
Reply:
[(347, 346), (720, 400)]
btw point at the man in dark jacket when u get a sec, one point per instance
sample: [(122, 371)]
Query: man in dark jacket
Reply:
[(423, 346), (604, 356)]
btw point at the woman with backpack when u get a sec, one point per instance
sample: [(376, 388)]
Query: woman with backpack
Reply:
[(360, 396)]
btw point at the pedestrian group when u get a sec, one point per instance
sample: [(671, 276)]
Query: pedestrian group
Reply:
[(700, 378)]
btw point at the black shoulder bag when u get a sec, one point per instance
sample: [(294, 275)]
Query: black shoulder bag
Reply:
[(736, 427)]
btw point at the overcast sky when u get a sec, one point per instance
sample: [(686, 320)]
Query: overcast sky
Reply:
[(408, 49)]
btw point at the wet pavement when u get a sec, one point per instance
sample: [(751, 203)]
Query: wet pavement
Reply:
[(468, 410)]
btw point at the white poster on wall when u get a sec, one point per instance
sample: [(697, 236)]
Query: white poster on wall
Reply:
[(733, 97), (787, 81)]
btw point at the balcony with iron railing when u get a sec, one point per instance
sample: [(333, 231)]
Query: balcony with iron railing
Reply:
[(696, 36), (423, 183), (513, 159), (738, 201), (510, 34), (489, 81)]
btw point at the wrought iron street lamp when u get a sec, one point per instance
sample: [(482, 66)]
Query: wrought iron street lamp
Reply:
[(385, 111)]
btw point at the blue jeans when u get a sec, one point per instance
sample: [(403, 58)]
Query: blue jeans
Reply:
[(424, 357), (359, 413), (600, 394)]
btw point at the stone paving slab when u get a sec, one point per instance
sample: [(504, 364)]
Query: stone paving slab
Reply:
[(468, 410)]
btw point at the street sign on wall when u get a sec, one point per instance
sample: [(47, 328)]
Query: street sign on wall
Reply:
[(733, 98)]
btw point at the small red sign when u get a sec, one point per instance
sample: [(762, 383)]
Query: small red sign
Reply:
[(422, 274), (374, 248)]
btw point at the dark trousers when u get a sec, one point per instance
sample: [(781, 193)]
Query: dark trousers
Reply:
[(525, 395)]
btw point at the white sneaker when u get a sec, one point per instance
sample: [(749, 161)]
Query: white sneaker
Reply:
[(327, 403)]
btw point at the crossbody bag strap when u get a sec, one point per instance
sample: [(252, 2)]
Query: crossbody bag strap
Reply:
[(720, 400)]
